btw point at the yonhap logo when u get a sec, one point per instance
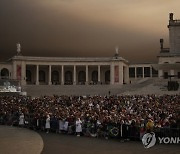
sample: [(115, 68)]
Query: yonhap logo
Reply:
[(149, 140)]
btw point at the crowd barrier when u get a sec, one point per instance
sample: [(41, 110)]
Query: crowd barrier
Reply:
[(112, 130)]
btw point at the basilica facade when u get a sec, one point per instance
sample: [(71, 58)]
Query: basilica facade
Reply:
[(68, 71)]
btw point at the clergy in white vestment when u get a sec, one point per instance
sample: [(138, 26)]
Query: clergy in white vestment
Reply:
[(21, 120), (78, 126), (47, 125), (66, 126)]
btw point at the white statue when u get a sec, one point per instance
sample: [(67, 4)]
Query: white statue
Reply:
[(117, 50), (18, 48)]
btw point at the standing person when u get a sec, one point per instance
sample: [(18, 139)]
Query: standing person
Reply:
[(149, 126), (21, 120), (78, 127), (66, 123), (47, 125)]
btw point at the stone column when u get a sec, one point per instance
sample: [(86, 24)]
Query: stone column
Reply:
[(62, 74), (14, 71), (87, 80), (23, 73), (135, 72), (112, 73), (37, 74), (74, 82), (121, 73), (151, 72), (50, 82), (160, 73), (143, 71), (126, 74), (99, 73)]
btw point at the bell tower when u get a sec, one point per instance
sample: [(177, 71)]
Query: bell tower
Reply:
[(174, 34)]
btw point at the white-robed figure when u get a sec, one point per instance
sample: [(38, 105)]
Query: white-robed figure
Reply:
[(21, 119), (66, 123), (78, 126), (47, 125)]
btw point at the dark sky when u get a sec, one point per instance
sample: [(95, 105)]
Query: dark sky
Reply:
[(85, 27)]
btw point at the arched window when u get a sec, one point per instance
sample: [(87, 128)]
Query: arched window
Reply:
[(28, 76), (42, 76), (68, 77), (4, 73), (82, 77), (165, 75), (55, 77), (107, 76), (95, 76)]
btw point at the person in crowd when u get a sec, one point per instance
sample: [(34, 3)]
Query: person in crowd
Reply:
[(21, 120), (47, 125), (61, 125), (66, 123), (78, 127), (97, 113), (149, 126)]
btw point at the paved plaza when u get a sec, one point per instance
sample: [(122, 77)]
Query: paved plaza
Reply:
[(15, 140), (24, 141)]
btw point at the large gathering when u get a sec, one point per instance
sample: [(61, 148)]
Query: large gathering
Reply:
[(89, 77), (97, 116)]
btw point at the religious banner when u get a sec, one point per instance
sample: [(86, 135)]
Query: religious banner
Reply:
[(18, 73), (116, 73)]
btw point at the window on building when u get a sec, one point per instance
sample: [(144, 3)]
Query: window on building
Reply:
[(139, 72), (132, 72), (28, 76), (42, 76), (95, 76), (165, 75), (68, 77), (82, 77), (55, 77), (178, 75), (107, 77), (4, 73), (147, 72)]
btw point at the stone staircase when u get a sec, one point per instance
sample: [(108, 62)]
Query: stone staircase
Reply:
[(144, 86), (71, 89)]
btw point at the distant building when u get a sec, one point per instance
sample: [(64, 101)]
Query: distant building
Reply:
[(64, 70), (169, 58), (108, 70)]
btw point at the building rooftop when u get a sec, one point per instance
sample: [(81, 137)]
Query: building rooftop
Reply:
[(69, 59)]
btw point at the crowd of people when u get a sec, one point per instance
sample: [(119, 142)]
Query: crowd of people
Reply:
[(92, 115)]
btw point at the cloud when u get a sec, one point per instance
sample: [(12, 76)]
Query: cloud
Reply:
[(85, 27)]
